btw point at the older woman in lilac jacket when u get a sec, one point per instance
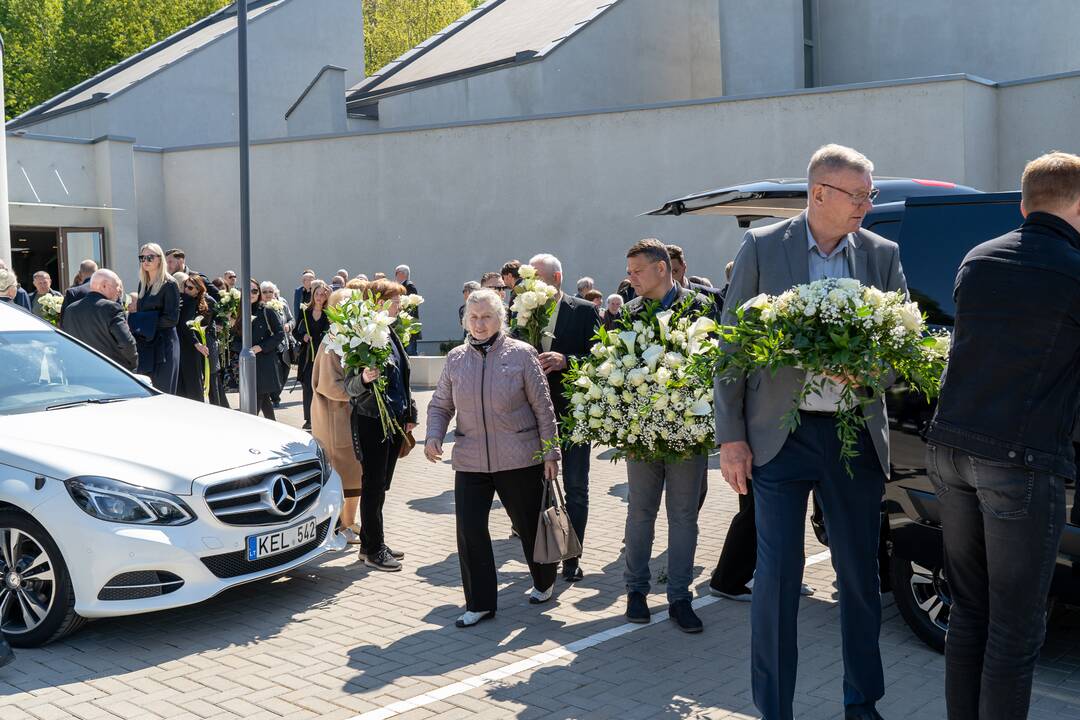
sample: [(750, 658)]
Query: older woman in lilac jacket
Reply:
[(495, 386)]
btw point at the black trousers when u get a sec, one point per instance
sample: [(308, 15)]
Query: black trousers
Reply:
[(521, 492), (739, 556), (380, 459), (217, 390), (309, 393), (266, 406)]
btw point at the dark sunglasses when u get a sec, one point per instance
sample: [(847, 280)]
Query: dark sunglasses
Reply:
[(147, 258), (254, 290)]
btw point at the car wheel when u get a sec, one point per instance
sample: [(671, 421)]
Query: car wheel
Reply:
[(37, 601), (923, 599)]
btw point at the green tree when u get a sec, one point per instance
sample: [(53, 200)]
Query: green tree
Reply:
[(393, 26), (52, 45)]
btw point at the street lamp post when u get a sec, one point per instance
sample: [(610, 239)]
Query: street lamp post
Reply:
[(247, 357)]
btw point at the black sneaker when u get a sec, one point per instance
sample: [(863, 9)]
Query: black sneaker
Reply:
[(637, 609), (685, 617), (396, 554), (571, 571), (382, 560)]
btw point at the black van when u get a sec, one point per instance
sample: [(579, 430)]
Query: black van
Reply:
[(936, 224)]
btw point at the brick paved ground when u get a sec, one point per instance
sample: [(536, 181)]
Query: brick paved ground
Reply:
[(335, 640)]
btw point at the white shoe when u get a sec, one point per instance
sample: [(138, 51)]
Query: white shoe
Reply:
[(536, 597), (469, 618), (351, 536)]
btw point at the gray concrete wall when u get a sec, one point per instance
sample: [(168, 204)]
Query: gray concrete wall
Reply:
[(194, 100), (863, 41), (762, 45), (454, 202), (1035, 118), (321, 108), (638, 52)]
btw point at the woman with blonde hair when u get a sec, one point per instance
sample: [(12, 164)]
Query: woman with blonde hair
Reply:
[(330, 423), (308, 333), (154, 322)]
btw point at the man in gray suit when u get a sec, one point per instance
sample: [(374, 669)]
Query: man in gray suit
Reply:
[(824, 242)]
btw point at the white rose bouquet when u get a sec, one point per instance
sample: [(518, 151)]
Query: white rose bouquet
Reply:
[(638, 392), (226, 312), (407, 325), (360, 335), (50, 307), (846, 336), (534, 301), (277, 305)]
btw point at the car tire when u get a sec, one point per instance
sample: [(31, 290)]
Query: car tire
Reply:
[(37, 607), (923, 599)]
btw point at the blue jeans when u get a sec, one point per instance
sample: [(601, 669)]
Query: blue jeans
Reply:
[(680, 483), (576, 484), (1001, 527), (810, 461)]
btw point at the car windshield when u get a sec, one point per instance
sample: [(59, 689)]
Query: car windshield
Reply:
[(42, 370)]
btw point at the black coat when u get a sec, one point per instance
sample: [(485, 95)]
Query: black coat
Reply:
[(575, 328), (190, 380), (102, 324), (268, 332), (714, 295), (160, 358), (75, 292), (306, 324), (363, 399)]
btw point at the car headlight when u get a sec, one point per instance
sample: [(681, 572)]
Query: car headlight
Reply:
[(324, 462), (119, 502)]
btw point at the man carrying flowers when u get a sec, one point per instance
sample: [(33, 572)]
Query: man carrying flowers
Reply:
[(678, 475), (825, 242)]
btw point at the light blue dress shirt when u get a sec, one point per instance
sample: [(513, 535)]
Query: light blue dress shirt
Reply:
[(833, 265)]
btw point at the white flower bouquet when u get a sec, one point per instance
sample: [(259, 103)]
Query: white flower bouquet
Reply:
[(360, 334), (534, 301), (638, 392), (50, 307), (407, 325), (846, 336), (276, 304), (226, 312)]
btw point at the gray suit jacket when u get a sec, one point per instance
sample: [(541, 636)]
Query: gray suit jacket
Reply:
[(772, 260)]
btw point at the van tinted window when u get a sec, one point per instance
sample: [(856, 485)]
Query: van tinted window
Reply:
[(934, 240)]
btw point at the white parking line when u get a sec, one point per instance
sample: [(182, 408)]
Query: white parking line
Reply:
[(569, 650)]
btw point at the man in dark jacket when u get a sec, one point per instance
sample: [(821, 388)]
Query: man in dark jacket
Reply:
[(403, 275), (1000, 445), (571, 329), (302, 294), (81, 287), (678, 273), (99, 321), (176, 262)]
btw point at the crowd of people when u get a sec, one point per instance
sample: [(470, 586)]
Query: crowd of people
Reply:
[(998, 465)]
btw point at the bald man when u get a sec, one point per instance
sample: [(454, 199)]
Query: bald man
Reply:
[(99, 321)]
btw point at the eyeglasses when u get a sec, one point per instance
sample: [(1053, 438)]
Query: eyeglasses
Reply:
[(856, 198), (147, 258), (267, 292), (254, 291)]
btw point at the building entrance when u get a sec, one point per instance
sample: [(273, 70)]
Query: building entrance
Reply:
[(57, 251)]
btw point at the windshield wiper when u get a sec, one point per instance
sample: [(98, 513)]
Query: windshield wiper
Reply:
[(87, 401)]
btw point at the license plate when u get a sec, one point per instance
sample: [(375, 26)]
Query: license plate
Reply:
[(279, 541)]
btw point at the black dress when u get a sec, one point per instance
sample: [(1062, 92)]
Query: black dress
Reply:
[(160, 358), (306, 324), (192, 363), (268, 332)]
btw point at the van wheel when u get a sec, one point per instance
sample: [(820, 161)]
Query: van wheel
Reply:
[(37, 600), (923, 599)]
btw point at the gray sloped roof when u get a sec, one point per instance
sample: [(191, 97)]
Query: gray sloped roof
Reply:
[(497, 33), (142, 65)]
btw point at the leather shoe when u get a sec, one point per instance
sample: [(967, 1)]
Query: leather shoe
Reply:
[(684, 616), (861, 713), (637, 609), (571, 571)]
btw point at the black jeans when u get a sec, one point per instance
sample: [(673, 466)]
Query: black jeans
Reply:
[(266, 406), (738, 558), (309, 393), (380, 459), (576, 484), (521, 492), (1001, 527)]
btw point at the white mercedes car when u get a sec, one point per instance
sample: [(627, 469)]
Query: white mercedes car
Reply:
[(116, 499)]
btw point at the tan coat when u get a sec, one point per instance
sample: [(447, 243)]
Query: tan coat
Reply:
[(330, 419)]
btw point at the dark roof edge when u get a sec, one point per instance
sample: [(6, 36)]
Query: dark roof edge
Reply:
[(21, 121), (412, 54), (522, 58), (311, 84), (38, 112)]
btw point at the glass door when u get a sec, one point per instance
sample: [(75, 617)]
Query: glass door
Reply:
[(76, 245)]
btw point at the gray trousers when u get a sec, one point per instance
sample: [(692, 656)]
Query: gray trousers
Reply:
[(648, 482)]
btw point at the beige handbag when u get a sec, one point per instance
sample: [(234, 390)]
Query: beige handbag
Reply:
[(555, 536)]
